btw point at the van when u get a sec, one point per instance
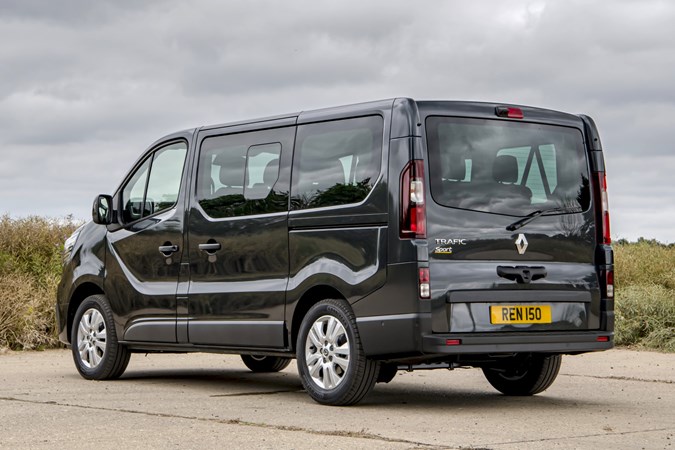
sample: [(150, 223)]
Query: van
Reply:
[(359, 240)]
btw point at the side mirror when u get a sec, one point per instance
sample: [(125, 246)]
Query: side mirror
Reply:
[(102, 212)]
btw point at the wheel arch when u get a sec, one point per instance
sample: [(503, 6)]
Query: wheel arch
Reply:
[(311, 297), (83, 291)]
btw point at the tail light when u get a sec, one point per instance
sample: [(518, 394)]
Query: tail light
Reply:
[(603, 202), (413, 211), (609, 283), (425, 290)]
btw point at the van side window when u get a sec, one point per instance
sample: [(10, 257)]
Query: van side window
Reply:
[(144, 195), (238, 179), (337, 162)]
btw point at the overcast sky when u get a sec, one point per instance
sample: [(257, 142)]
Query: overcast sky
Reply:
[(86, 86)]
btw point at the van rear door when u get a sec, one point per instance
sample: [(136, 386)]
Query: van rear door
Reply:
[(510, 221)]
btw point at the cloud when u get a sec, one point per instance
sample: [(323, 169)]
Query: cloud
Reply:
[(86, 86)]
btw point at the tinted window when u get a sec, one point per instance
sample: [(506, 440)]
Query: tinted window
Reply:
[(506, 167), (133, 193), (143, 196), (262, 170), (336, 162), (236, 179)]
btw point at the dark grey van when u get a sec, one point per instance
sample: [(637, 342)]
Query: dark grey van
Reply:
[(360, 240)]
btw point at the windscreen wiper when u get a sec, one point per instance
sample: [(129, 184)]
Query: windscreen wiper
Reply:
[(520, 223)]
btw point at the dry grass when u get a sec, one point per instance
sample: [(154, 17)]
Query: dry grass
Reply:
[(645, 295), (30, 267)]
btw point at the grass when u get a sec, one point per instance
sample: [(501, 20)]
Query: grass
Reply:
[(645, 294), (30, 268)]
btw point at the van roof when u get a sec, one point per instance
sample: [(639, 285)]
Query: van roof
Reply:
[(408, 107)]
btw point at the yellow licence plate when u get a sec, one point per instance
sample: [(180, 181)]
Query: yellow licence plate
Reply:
[(520, 314)]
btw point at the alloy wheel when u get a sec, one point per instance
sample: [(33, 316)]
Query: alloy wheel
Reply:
[(327, 352), (91, 338)]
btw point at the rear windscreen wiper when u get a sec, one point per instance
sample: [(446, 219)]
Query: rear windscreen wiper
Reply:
[(530, 217)]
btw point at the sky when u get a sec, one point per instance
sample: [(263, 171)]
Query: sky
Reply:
[(86, 86)]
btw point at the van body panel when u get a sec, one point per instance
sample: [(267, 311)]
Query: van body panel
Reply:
[(85, 266), (347, 259), (405, 120), (407, 318), (380, 107)]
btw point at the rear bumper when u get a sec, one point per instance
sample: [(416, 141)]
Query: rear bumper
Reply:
[(410, 334), (561, 342)]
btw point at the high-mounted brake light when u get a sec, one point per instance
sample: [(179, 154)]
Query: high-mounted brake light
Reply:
[(509, 111), (603, 203), (413, 223)]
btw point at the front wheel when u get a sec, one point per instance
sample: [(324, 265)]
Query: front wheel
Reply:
[(333, 367), (524, 374), (258, 363), (96, 351)]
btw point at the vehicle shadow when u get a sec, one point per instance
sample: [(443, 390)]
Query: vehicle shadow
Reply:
[(218, 382), (405, 394), (394, 397)]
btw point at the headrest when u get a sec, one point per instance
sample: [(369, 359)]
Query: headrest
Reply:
[(271, 172), (505, 169), (231, 174), (456, 171)]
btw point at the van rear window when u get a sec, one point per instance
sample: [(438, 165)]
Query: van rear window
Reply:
[(511, 168)]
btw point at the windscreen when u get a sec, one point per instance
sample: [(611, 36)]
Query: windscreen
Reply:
[(511, 168)]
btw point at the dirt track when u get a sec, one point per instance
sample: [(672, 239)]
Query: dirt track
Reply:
[(616, 399)]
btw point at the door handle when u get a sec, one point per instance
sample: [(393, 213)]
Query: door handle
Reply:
[(210, 247), (168, 249), (522, 274)]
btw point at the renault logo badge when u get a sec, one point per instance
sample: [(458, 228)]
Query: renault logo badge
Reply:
[(521, 244)]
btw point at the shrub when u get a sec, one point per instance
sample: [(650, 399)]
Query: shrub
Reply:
[(645, 316), (30, 267), (645, 294)]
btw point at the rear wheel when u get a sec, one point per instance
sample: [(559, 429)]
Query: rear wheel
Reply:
[(332, 365), (524, 374), (96, 351), (259, 363)]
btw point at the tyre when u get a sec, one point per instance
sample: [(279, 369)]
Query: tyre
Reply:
[(258, 363), (524, 375), (332, 365), (96, 351)]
